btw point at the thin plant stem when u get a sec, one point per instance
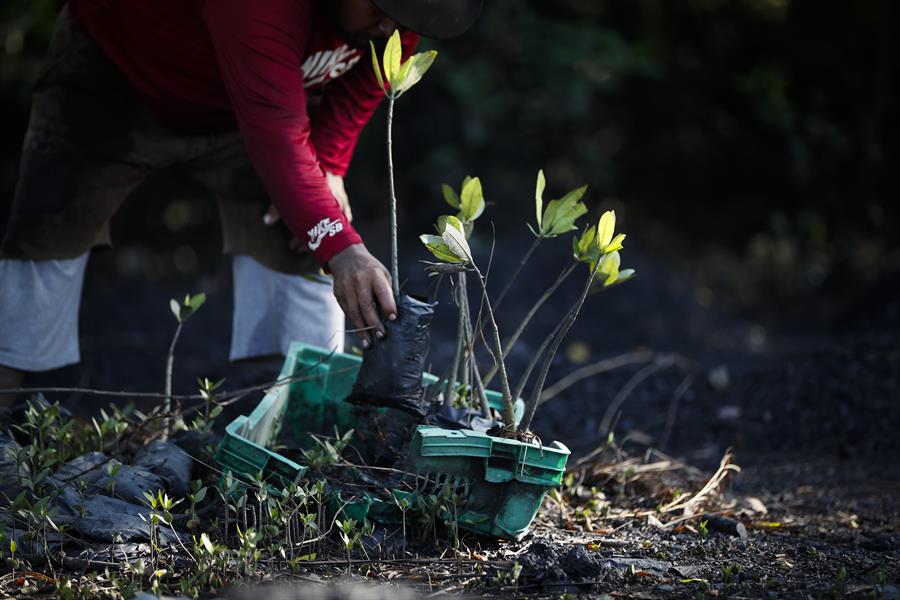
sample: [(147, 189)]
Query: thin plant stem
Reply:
[(478, 385), (460, 338), (170, 363), (535, 396), (511, 342), (395, 270), (468, 356), (520, 388), (518, 270), (509, 414)]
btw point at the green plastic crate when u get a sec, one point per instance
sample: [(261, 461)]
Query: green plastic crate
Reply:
[(312, 404), (504, 480)]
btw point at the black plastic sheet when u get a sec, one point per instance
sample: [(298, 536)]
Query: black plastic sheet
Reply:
[(112, 507), (391, 373), (451, 417), (168, 461)]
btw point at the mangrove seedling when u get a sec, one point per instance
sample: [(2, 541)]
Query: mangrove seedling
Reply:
[(398, 77), (469, 204), (182, 311), (598, 247)]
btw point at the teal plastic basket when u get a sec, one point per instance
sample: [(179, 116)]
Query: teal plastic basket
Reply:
[(504, 481)]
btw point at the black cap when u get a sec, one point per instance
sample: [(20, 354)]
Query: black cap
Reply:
[(440, 19)]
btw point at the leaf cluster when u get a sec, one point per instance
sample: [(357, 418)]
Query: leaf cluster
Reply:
[(560, 215), (186, 309), (399, 75)]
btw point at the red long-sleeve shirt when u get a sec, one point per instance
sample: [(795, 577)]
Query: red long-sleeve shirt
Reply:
[(202, 64)]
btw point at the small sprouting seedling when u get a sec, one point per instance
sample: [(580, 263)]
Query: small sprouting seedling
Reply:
[(248, 550), (182, 312), (703, 530), (13, 561), (403, 504), (111, 427), (350, 535), (160, 505), (156, 580), (399, 77), (453, 501), (730, 574), (327, 453), (840, 583), (211, 409), (510, 576), (112, 471), (195, 496)]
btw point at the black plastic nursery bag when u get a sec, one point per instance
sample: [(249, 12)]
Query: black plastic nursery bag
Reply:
[(391, 372)]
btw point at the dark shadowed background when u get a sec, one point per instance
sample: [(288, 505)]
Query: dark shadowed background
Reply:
[(749, 148)]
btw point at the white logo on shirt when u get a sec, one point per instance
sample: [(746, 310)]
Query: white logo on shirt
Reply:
[(324, 227), (328, 64)]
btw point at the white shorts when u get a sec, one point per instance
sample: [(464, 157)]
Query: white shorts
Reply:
[(39, 303)]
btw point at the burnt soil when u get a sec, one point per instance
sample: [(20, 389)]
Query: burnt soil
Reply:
[(810, 405)]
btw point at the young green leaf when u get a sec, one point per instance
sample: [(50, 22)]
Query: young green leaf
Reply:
[(207, 543), (377, 68), (609, 266), (624, 275), (413, 70), (539, 196), (560, 215), (583, 248), (615, 244), (455, 238), (176, 308), (450, 196), (196, 301), (438, 248), (472, 200), (392, 56), (452, 222), (442, 221), (605, 229)]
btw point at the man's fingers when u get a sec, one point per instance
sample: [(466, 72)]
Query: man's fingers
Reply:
[(385, 295), (271, 217), (350, 305), (367, 307)]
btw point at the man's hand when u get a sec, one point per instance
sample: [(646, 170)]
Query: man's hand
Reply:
[(336, 184), (361, 286)]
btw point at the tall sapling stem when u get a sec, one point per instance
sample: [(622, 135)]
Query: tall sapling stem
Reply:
[(511, 342), (534, 397), (509, 412), (399, 76), (395, 269)]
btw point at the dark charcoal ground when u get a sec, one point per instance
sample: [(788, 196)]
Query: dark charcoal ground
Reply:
[(810, 404)]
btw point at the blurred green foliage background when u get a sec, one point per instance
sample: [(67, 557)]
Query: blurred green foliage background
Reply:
[(752, 143)]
